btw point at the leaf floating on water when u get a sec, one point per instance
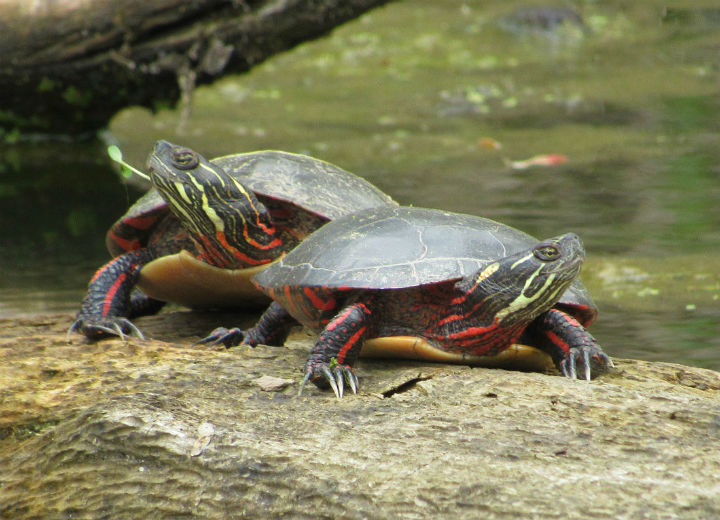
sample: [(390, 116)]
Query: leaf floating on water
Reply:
[(552, 159), (489, 143)]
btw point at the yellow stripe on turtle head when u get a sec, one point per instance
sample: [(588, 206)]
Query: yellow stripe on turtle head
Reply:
[(522, 301), (487, 272)]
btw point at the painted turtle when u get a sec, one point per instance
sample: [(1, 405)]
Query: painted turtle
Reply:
[(428, 284), (197, 237)]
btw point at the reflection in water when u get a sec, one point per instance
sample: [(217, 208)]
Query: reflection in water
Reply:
[(404, 96)]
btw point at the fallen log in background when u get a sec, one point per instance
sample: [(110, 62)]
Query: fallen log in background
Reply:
[(67, 67)]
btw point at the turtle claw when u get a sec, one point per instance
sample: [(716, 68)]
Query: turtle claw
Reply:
[(134, 331), (100, 328), (586, 364), (352, 380), (334, 375), (588, 357), (118, 331), (304, 382), (73, 328), (336, 385), (228, 337)]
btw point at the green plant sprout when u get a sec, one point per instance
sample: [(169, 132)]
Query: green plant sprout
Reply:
[(127, 170)]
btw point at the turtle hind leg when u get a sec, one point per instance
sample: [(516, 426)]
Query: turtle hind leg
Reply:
[(337, 348), (568, 343), (272, 328)]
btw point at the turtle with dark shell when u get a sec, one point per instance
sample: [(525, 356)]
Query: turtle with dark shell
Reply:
[(206, 227), (432, 285)]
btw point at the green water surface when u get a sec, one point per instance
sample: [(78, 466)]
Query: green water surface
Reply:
[(410, 96)]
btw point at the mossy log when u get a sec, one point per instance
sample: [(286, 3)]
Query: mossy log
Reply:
[(68, 66)]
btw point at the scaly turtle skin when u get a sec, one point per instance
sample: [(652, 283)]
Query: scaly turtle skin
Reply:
[(429, 285), (206, 227)]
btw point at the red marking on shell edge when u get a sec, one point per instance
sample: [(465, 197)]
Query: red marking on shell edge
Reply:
[(570, 319), (349, 344), (588, 314), (125, 244), (319, 303), (282, 213), (290, 301), (110, 295), (140, 222)]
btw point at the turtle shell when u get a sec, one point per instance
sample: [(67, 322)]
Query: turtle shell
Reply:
[(308, 190), (401, 247), (311, 184), (133, 230), (316, 186)]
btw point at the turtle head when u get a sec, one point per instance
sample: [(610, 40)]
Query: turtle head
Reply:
[(518, 288), (230, 226)]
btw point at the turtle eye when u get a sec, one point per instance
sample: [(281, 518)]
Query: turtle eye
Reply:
[(184, 159), (546, 253)]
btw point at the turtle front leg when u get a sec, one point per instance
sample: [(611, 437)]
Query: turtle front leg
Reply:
[(108, 305), (337, 348), (568, 343), (272, 328)]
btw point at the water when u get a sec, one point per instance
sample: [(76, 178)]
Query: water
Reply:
[(409, 96)]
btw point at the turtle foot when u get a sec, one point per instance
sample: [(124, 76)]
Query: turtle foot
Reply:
[(334, 375), (228, 337), (590, 358), (99, 328), (233, 337)]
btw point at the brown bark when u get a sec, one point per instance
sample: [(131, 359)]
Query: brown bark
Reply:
[(164, 429), (68, 66)]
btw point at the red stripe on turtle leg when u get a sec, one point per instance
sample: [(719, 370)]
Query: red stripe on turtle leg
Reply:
[(573, 349), (558, 341), (318, 302), (140, 222), (351, 343), (557, 333), (110, 294), (109, 289), (126, 244), (343, 337)]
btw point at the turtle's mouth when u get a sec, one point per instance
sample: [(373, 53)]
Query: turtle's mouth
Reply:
[(152, 172)]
